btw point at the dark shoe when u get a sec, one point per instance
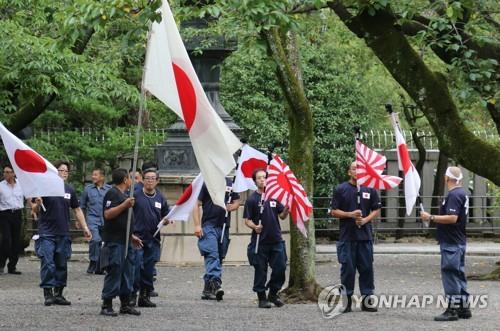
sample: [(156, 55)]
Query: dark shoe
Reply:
[(49, 297), (129, 311), (107, 308), (217, 290), (207, 293), (133, 299), (464, 311), (125, 307), (153, 294), (367, 305), (92, 267), (348, 305), (14, 272), (145, 301), (263, 303), (276, 300), (450, 314), (1, 271), (58, 297)]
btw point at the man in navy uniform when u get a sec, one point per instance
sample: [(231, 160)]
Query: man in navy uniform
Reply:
[(271, 250), (451, 223), (91, 203), (149, 209), (53, 246), (212, 242), (119, 270), (355, 245)]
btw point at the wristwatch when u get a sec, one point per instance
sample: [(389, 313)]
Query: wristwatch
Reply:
[(432, 218)]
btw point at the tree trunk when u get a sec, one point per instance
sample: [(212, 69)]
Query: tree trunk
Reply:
[(282, 47), (438, 189), (428, 89)]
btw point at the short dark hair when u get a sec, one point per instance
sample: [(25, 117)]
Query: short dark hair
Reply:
[(7, 166), (149, 170), (136, 170), (59, 163), (119, 175), (256, 171), (101, 171), (149, 166)]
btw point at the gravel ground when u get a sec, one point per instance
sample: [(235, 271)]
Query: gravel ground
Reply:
[(180, 307)]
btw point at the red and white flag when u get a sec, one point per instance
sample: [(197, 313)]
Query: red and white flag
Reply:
[(187, 202), (37, 176), (369, 168), (249, 161), (170, 76), (412, 179), (283, 186)]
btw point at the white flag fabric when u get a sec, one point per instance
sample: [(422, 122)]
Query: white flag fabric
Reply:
[(170, 77), (187, 202), (37, 177), (250, 160), (412, 179)]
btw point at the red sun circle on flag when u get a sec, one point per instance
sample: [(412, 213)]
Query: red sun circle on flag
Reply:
[(249, 166), (29, 161), (187, 95), (185, 195)]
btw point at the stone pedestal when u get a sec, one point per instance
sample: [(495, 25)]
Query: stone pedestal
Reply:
[(179, 245)]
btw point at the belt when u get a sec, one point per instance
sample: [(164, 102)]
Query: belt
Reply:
[(10, 210)]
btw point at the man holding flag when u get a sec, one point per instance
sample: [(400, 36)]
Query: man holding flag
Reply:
[(355, 244), (262, 216), (53, 246), (149, 209), (213, 243)]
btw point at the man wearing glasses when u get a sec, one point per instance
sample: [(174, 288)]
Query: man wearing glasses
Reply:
[(53, 246), (11, 206), (149, 209)]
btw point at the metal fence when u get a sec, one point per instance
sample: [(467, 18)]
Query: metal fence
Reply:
[(378, 139), (483, 218)]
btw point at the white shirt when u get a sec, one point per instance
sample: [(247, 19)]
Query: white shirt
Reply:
[(10, 197)]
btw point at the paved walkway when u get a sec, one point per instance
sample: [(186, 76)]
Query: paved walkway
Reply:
[(180, 307)]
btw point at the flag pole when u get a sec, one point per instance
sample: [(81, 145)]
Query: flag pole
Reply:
[(230, 197), (392, 114), (357, 136), (142, 107), (269, 158)]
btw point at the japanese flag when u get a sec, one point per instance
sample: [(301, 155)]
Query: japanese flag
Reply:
[(37, 177), (170, 76), (187, 202), (250, 160), (412, 179)]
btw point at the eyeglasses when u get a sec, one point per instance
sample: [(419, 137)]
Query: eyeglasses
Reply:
[(149, 178)]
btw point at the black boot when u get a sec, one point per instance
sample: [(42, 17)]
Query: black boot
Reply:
[(348, 306), (49, 297), (153, 294), (450, 314), (107, 308), (217, 290), (207, 293), (464, 311), (144, 300), (125, 306), (133, 299), (58, 297), (92, 267), (275, 298), (367, 304), (263, 303)]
